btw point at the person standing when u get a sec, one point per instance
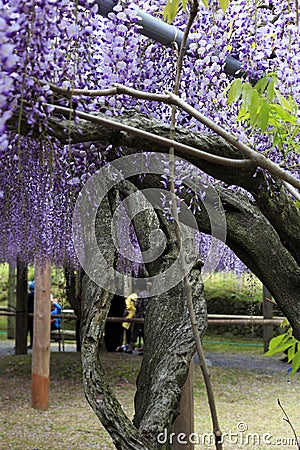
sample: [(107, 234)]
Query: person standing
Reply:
[(140, 313), (56, 310), (129, 314)]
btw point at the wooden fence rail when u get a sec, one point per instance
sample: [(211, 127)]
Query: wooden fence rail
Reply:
[(213, 319)]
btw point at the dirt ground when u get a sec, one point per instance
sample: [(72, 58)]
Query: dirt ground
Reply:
[(246, 393)]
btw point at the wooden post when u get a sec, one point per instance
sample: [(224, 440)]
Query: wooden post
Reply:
[(11, 320), (183, 426), (21, 309), (41, 337), (268, 314)]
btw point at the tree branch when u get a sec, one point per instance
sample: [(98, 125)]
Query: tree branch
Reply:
[(154, 138), (258, 158)]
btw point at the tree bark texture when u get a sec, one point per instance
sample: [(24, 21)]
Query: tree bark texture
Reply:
[(95, 306), (169, 348), (169, 343)]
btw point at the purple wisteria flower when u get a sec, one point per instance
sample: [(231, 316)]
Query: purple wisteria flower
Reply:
[(70, 44)]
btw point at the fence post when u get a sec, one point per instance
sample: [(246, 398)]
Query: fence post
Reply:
[(41, 337)]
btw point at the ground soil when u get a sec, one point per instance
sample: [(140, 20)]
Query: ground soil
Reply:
[(246, 387)]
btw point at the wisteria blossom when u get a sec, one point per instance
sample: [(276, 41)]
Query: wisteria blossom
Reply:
[(71, 45)]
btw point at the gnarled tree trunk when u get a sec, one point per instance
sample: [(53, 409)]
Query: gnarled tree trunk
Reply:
[(168, 351)]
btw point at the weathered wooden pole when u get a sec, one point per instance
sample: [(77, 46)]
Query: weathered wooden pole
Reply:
[(11, 301), (268, 314), (41, 336), (183, 427), (21, 309)]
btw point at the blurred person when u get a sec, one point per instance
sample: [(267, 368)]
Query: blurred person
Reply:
[(141, 305), (56, 309)]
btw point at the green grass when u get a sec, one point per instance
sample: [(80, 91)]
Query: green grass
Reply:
[(212, 343), (69, 423)]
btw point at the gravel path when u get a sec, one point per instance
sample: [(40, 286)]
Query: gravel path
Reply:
[(247, 362), (8, 347), (231, 360)]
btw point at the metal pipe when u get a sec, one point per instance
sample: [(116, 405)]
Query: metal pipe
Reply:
[(164, 33)]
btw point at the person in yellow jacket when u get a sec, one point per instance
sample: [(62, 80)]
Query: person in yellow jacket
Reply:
[(129, 314)]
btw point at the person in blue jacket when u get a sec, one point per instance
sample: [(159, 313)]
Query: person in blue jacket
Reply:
[(55, 309)]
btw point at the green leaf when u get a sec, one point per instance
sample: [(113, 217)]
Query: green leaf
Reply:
[(205, 3), (280, 343), (277, 340), (242, 115), (278, 349), (284, 102), (295, 132), (284, 115), (285, 323), (247, 94), (171, 10), (271, 90), (261, 85), (184, 3), (296, 363), (291, 352), (263, 119), (235, 91), (253, 107), (224, 4)]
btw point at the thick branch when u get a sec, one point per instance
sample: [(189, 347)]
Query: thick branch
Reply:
[(171, 99), (154, 138)]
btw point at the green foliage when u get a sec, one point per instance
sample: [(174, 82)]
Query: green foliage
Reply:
[(228, 285), (286, 342), (264, 108), (173, 6), (57, 283), (171, 10), (224, 4)]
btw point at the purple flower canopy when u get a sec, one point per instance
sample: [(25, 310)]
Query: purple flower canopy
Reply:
[(73, 46)]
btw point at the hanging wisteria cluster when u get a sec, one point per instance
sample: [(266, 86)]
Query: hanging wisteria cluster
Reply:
[(71, 45)]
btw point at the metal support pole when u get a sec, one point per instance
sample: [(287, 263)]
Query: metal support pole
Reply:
[(164, 33)]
